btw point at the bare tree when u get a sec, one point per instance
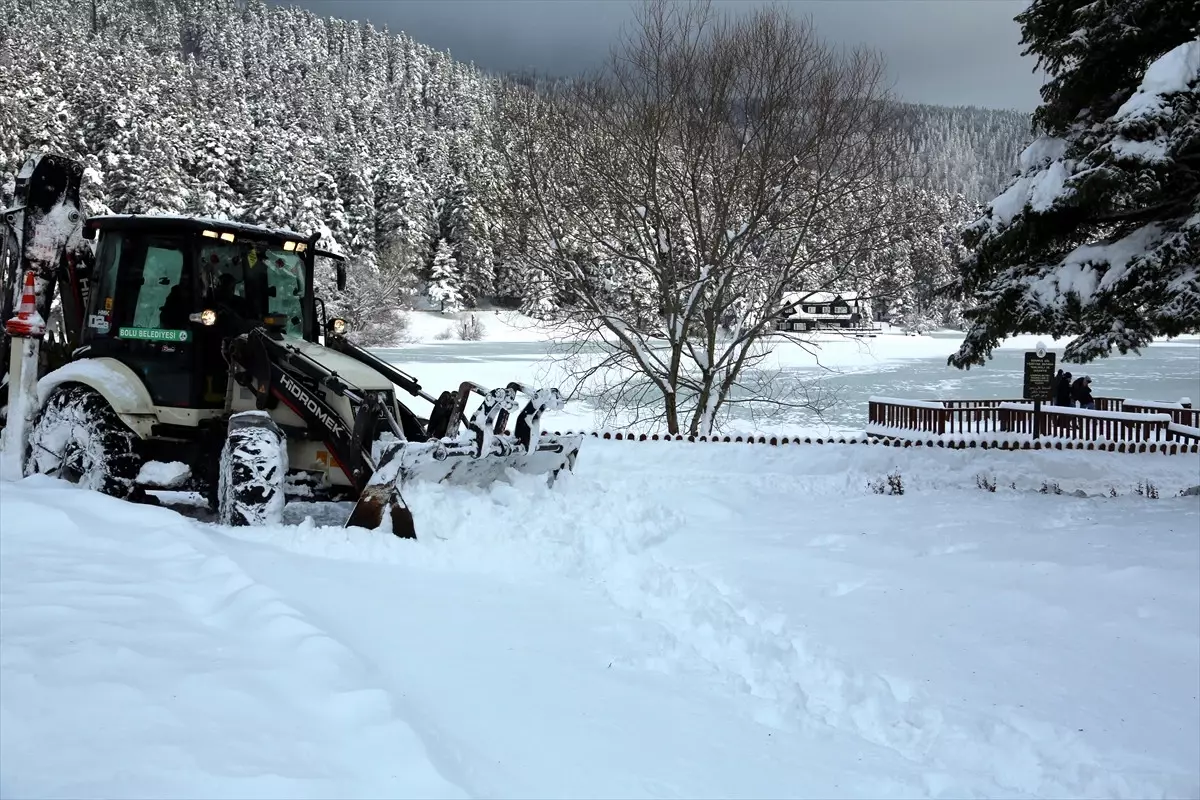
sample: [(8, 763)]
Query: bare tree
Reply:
[(675, 199)]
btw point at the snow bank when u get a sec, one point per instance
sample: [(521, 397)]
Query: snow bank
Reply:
[(137, 660), (675, 534)]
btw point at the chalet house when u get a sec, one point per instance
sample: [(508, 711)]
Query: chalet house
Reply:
[(811, 311)]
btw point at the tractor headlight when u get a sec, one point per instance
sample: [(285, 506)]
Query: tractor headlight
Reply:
[(205, 317), (337, 326)]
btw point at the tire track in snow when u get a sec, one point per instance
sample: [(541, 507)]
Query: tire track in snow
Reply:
[(211, 683), (360, 702)]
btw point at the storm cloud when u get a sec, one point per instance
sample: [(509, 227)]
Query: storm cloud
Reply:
[(946, 52)]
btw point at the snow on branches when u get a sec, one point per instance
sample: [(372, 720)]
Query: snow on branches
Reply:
[(1096, 239), (674, 217)]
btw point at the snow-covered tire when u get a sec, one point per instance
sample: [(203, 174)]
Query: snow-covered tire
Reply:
[(79, 438), (253, 471)]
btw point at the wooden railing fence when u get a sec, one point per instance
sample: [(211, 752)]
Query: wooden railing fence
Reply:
[(1113, 420)]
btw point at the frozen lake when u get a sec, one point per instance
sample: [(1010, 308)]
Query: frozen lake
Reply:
[(1167, 371), (894, 366)]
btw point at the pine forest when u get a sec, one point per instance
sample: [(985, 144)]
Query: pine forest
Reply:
[(246, 110)]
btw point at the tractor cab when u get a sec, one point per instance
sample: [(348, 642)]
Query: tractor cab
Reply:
[(164, 292)]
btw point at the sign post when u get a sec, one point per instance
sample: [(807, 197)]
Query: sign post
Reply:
[(1038, 382)]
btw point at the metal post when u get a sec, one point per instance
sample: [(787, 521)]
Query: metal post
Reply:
[(1037, 419), (26, 330)]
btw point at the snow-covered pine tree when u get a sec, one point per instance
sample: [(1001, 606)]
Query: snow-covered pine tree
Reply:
[(965, 150), (1097, 237), (444, 281), (467, 230), (405, 222)]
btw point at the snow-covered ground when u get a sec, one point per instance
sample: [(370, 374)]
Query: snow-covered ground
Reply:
[(499, 325), (671, 620)]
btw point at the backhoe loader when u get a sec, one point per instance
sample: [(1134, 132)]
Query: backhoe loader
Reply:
[(194, 353)]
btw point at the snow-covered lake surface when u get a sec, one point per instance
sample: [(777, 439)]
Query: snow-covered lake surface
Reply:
[(852, 369), (672, 620)]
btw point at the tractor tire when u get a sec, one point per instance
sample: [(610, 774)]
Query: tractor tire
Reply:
[(254, 465), (78, 437)]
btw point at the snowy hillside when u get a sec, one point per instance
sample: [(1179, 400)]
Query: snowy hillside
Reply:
[(188, 107), (672, 620)]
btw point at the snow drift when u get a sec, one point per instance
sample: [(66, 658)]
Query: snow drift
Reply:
[(671, 620)]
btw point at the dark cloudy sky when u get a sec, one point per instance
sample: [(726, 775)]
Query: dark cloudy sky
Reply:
[(951, 52)]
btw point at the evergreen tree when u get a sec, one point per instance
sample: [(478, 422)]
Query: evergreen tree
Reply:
[(444, 280), (1097, 237), (247, 110)]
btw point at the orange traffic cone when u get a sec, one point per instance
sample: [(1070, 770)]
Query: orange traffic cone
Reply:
[(28, 322)]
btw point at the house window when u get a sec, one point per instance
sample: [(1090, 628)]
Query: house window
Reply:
[(824, 309)]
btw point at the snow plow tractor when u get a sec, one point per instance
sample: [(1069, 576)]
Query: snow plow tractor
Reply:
[(154, 352)]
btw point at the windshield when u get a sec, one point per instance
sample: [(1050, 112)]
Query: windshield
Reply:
[(255, 280)]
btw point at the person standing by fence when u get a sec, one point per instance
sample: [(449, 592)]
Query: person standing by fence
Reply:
[(1062, 390), (1081, 391)]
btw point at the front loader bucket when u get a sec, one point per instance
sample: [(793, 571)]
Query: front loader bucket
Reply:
[(456, 463), (477, 457)]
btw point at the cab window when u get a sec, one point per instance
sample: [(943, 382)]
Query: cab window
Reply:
[(108, 256), (285, 289), (161, 300)]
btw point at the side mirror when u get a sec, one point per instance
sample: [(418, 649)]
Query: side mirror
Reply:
[(341, 275)]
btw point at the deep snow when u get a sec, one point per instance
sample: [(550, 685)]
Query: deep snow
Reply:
[(672, 620)]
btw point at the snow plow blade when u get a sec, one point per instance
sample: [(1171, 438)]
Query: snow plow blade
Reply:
[(380, 500), (478, 456), (457, 464)]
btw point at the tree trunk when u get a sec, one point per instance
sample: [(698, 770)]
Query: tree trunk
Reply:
[(669, 398), (702, 423)]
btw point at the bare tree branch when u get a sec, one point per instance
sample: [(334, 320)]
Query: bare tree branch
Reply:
[(715, 165)]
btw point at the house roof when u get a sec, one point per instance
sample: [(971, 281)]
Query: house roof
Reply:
[(818, 298)]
